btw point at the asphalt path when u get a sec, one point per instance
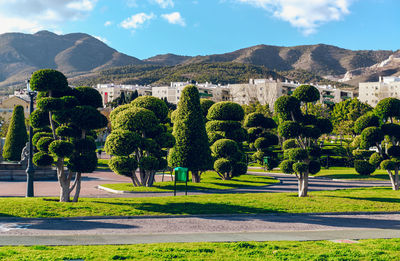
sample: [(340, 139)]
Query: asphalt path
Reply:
[(211, 228)]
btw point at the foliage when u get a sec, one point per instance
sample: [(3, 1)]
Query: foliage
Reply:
[(205, 106), (47, 80), (388, 108), (306, 93), (16, 135), (364, 167), (224, 111), (157, 106), (367, 120), (42, 159), (191, 149)]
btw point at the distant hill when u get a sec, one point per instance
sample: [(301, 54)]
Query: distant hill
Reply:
[(73, 54), (85, 59)]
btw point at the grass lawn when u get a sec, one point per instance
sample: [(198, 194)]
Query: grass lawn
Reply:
[(349, 200), (102, 165), (371, 249), (209, 181)]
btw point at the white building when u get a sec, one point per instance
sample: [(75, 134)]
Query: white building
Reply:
[(109, 92), (267, 91), (373, 92), (206, 90)]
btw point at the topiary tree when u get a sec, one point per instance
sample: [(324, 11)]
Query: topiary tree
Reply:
[(205, 106), (301, 151), (17, 136), (229, 161), (70, 115), (377, 129), (225, 123), (138, 139), (191, 149), (260, 136)]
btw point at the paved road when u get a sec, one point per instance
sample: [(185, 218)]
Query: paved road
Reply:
[(288, 183), (214, 228)]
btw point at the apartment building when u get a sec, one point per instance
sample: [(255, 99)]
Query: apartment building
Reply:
[(373, 92), (111, 91)]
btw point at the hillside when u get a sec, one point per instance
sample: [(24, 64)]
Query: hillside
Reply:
[(218, 73), (73, 54)]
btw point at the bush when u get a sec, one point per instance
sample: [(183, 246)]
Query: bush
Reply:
[(363, 167), (289, 144), (324, 125), (43, 143), (300, 167), (362, 154), (37, 136), (286, 104), (391, 129), (306, 93), (67, 131), (289, 129), (149, 163), (84, 163), (16, 137), (224, 148), (42, 159), (156, 105), (286, 166), (239, 168), (335, 161), (88, 96), (311, 131), (263, 143), (61, 148), (215, 125), (85, 145), (375, 159), (225, 111), (48, 80), (388, 107), (123, 165), (365, 121), (136, 119), (371, 136), (394, 151), (388, 165), (297, 154), (122, 143), (205, 106), (314, 167), (222, 165)]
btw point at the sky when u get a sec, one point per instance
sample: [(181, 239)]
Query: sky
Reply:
[(144, 28)]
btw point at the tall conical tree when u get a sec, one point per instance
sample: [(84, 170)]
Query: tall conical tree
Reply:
[(16, 136), (191, 149)]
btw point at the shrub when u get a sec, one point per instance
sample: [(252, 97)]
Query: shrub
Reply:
[(61, 148), (48, 80), (391, 129), (136, 119), (394, 151), (16, 137), (286, 166), (157, 106), (50, 104), (43, 143), (362, 154), (363, 167), (149, 163), (371, 136), (289, 144), (289, 129), (42, 159), (224, 148), (205, 106), (122, 143), (84, 162), (225, 111), (324, 125), (88, 96), (123, 165), (67, 131), (239, 168), (300, 167), (365, 121), (37, 136), (222, 165), (216, 125), (388, 165), (306, 93), (311, 131), (85, 145), (297, 154), (314, 167), (375, 159), (388, 107)]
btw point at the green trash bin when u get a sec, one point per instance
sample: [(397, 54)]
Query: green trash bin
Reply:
[(181, 175), (266, 162)]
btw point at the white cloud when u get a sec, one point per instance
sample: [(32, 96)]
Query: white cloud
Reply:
[(108, 23), (135, 21), (174, 18), (32, 15), (305, 15), (103, 39), (165, 3)]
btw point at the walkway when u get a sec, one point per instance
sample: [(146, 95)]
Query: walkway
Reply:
[(204, 228)]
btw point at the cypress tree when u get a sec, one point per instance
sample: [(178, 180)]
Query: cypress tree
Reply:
[(191, 149), (16, 136)]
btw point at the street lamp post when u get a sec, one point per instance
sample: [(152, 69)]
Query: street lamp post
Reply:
[(30, 170)]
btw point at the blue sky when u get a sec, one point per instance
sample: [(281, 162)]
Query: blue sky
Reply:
[(143, 28)]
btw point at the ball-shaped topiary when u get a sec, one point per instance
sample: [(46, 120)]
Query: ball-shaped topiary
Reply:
[(286, 166), (88, 118), (224, 148), (68, 131), (149, 163), (298, 154), (88, 96), (300, 167), (289, 129), (222, 165), (114, 113), (289, 144), (37, 136), (216, 125), (157, 106), (122, 143), (324, 125), (362, 154), (225, 111), (43, 143), (69, 102), (311, 131), (363, 167), (371, 136), (136, 119), (394, 151), (285, 104), (50, 104), (46, 80), (365, 121), (257, 119), (42, 159), (265, 142), (388, 108), (83, 163), (85, 145), (123, 165), (314, 167), (391, 129), (388, 165), (39, 119), (375, 159), (205, 106), (306, 93), (61, 148), (239, 168)]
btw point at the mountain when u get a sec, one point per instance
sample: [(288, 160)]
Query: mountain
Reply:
[(73, 54), (167, 59), (320, 59)]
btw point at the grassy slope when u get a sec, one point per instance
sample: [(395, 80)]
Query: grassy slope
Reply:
[(372, 249), (370, 199), (209, 180)]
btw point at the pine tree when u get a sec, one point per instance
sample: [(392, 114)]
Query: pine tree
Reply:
[(16, 136), (192, 148)]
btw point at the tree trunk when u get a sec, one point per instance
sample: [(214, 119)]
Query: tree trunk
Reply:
[(300, 183), (63, 180), (395, 186), (195, 176), (150, 179), (77, 187), (305, 185)]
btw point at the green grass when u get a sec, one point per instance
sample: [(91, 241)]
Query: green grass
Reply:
[(102, 165), (349, 200), (371, 249), (209, 181)]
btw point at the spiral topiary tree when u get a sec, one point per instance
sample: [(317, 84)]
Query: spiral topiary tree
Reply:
[(378, 130), (225, 124), (260, 136), (16, 135), (191, 149), (301, 150), (64, 122), (139, 139)]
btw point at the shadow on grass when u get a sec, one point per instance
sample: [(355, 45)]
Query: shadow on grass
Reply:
[(353, 176), (375, 199)]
